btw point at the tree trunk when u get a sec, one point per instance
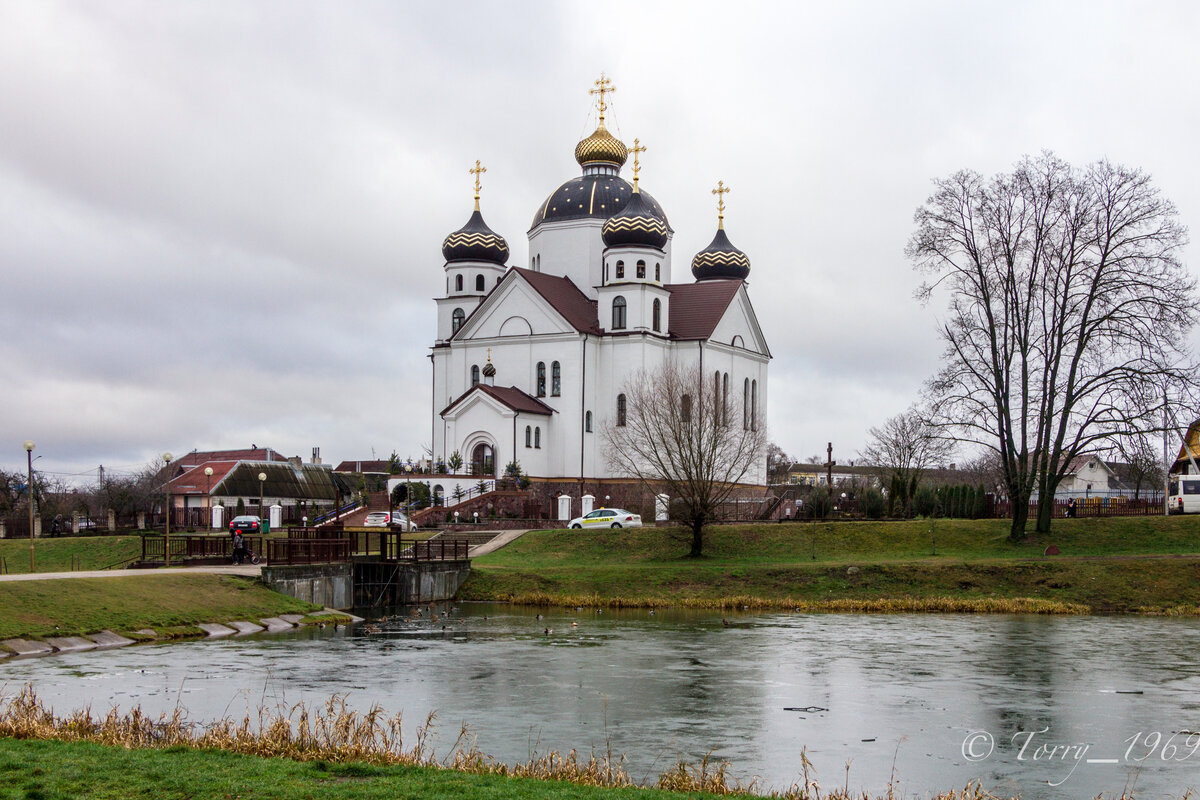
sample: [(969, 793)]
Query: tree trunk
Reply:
[(1046, 508), (1020, 515), (697, 539)]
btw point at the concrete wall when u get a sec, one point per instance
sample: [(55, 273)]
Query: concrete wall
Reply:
[(430, 581), (324, 584)]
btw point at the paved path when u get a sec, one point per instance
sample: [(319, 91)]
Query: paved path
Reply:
[(495, 544), (248, 570)]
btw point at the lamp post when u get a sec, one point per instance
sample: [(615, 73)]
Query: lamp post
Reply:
[(29, 486), (208, 493), (262, 477), (167, 512), (408, 468)]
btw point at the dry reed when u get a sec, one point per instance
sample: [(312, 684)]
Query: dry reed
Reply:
[(889, 605), (332, 732)]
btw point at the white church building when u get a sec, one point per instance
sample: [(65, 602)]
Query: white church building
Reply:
[(529, 362)]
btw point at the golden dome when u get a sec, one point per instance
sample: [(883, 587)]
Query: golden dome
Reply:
[(601, 147)]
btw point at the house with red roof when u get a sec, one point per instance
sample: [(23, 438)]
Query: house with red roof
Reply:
[(530, 363)]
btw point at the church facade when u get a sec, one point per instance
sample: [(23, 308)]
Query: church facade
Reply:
[(530, 362)]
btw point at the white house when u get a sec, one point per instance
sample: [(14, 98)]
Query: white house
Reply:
[(529, 362)]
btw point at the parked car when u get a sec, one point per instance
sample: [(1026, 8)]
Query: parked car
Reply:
[(246, 524), (378, 519), (402, 522), (608, 518)]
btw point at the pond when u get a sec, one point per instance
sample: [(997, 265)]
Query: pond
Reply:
[(1042, 706)]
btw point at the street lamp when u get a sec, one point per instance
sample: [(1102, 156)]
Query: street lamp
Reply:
[(408, 468), (167, 512), (262, 477), (29, 486), (208, 493)]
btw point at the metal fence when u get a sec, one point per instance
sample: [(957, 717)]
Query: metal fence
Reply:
[(325, 550), (193, 546)]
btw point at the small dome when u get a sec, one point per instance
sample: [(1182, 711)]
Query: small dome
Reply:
[(475, 241), (636, 224), (601, 148), (720, 260), (489, 371)]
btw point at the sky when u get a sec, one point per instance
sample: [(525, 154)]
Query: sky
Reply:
[(220, 222)]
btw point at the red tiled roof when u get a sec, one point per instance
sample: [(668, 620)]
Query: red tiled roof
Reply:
[(376, 465), (510, 396), (566, 298), (696, 308), (194, 481)]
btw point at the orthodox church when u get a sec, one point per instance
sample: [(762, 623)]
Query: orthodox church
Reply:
[(530, 362)]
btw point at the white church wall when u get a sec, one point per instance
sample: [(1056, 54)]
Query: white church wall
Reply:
[(572, 248)]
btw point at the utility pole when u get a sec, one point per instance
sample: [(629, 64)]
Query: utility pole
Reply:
[(829, 465)]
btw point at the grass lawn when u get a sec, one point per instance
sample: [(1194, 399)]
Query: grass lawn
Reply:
[(68, 552), (50, 770), (86, 605), (1109, 565)]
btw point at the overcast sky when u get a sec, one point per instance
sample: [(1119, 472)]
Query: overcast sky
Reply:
[(220, 222)]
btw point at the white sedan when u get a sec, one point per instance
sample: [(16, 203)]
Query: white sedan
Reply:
[(608, 518)]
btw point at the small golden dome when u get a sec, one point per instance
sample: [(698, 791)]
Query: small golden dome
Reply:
[(601, 147)]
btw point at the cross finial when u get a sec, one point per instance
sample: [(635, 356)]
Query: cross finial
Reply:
[(720, 192), (489, 355), (636, 150), (603, 86), (477, 170)]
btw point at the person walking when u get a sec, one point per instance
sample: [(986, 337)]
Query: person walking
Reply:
[(239, 547)]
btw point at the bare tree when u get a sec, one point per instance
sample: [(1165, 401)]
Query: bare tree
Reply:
[(903, 448), (1069, 313), (779, 464), (1143, 466), (680, 437)]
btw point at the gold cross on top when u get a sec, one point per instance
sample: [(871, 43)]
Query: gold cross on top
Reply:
[(720, 192), (636, 150), (603, 86), (477, 170)]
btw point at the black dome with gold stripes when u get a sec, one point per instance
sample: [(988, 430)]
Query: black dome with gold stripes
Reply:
[(635, 225), (720, 260), (475, 241)]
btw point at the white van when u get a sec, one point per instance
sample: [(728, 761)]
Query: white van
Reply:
[(1184, 494)]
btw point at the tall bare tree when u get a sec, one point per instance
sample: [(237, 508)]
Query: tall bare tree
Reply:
[(903, 448), (680, 436), (1143, 462), (1069, 312)]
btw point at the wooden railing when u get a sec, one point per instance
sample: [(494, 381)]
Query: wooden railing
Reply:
[(324, 550), (195, 546)]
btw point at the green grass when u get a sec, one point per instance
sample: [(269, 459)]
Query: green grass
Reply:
[(1119, 565), (48, 770), (69, 552), (86, 605)]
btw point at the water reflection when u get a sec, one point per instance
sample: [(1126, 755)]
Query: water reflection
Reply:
[(872, 690)]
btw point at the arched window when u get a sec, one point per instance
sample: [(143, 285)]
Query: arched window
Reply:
[(458, 283), (479, 283), (658, 272), (474, 374), (725, 399), (537, 436), (685, 409), (541, 379), (618, 313), (587, 422), (620, 270), (555, 379), (529, 436), (621, 409), (657, 322), (746, 405), (641, 269), (754, 405), (717, 393), (456, 319)]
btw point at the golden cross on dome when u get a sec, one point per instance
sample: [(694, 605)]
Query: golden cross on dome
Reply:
[(720, 192), (489, 355), (603, 87), (636, 150), (477, 170)]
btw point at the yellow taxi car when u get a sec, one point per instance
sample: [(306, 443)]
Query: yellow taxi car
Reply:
[(608, 518)]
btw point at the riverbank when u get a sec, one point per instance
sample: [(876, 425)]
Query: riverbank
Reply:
[(1110, 566), (171, 605)]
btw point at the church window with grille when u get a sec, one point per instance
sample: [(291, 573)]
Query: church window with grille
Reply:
[(620, 270), (458, 283), (474, 374), (479, 285), (456, 319), (541, 379), (528, 436), (618, 313), (555, 379), (641, 269), (620, 409), (657, 321)]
